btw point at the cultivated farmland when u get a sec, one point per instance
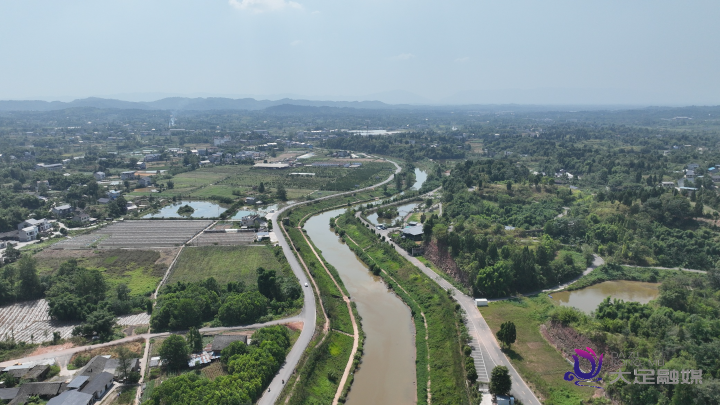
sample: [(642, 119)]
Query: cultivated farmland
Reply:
[(225, 263), (224, 238), (138, 234), (141, 270), (29, 321)]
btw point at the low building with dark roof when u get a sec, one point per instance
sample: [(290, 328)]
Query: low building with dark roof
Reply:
[(99, 385), (72, 398), (44, 390), (95, 366), (413, 232), (222, 341), (78, 382), (37, 373), (8, 394)]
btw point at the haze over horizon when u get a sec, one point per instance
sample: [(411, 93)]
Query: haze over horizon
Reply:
[(398, 52)]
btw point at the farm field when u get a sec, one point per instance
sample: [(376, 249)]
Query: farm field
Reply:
[(225, 263), (29, 322), (138, 234), (223, 180), (141, 270), (533, 357)]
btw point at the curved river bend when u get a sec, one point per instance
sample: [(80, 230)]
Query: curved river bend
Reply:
[(387, 373)]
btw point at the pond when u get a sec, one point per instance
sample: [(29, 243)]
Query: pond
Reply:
[(242, 213), (403, 211), (203, 209), (420, 177), (587, 299)]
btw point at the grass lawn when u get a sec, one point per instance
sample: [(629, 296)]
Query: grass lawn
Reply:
[(324, 369), (532, 356), (225, 263), (141, 270), (126, 397)]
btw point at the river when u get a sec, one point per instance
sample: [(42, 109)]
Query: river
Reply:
[(387, 372), (587, 299)]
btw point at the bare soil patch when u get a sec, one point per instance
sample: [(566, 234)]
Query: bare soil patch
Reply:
[(49, 349), (296, 326), (136, 346)]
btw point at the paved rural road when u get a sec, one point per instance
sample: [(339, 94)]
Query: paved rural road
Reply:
[(491, 355), (73, 350), (308, 313)]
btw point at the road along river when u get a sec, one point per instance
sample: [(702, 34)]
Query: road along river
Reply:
[(387, 372)]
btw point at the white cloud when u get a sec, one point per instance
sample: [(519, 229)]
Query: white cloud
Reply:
[(463, 59), (295, 42), (404, 56), (259, 6)]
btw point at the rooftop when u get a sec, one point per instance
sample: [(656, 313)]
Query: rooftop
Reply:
[(71, 398)]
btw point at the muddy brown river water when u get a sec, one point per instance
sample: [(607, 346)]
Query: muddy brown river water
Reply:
[(387, 372)]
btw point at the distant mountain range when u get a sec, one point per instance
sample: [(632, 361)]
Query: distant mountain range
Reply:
[(187, 104), (281, 105)]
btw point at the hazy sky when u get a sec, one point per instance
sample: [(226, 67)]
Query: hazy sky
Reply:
[(496, 51)]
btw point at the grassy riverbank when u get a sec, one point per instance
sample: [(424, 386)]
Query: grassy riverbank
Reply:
[(442, 349), (325, 359)]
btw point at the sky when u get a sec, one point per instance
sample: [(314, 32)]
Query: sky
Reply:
[(634, 52)]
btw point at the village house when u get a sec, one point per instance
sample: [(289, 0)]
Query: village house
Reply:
[(99, 176), (42, 225), (113, 194), (129, 175), (413, 233), (220, 342), (145, 182), (52, 167), (62, 210), (72, 397), (80, 216)]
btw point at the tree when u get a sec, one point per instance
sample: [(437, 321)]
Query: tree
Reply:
[(175, 352), (122, 291), (100, 323), (124, 356), (194, 340), (234, 348), (508, 185), (281, 193), (267, 283), (30, 287), (243, 308), (170, 185), (261, 188), (506, 335), (11, 254), (500, 382)]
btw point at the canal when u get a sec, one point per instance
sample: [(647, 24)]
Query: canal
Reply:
[(387, 372)]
